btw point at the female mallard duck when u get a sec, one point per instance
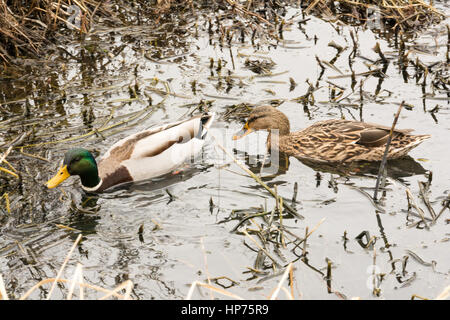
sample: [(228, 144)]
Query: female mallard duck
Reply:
[(338, 141), (141, 156)]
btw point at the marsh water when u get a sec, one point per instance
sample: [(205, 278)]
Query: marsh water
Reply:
[(167, 233)]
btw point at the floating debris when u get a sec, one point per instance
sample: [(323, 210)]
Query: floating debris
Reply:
[(405, 15), (259, 66)]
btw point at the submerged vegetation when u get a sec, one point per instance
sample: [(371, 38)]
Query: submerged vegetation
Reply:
[(28, 27)]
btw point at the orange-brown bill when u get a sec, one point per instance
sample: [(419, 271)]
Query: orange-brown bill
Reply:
[(242, 133), (60, 176)]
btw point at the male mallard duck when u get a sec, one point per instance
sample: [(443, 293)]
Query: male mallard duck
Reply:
[(141, 156), (340, 141)]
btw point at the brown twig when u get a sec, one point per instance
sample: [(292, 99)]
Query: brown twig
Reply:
[(386, 151), (257, 179)]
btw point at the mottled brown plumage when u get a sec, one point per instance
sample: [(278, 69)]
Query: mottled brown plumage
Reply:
[(336, 140)]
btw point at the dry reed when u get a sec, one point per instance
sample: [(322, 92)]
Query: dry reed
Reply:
[(404, 15), (77, 280)]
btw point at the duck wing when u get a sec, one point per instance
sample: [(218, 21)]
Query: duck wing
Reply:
[(155, 151), (339, 140)]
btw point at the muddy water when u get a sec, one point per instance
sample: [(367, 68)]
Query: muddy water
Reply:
[(124, 80)]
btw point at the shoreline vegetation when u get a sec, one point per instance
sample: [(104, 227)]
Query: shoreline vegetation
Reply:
[(30, 30), (29, 27)]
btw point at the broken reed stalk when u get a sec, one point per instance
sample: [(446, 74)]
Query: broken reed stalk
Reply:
[(291, 279), (77, 278), (25, 24), (375, 289), (328, 277), (9, 172), (307, 234), (386, 151), (286, 274), (241, 9), (426, 201), (304, 242), (81, 284), (7, 202), (445, 294), (279, 207), (257, 179), (281, 223), (398, 14), (294, 196), (261, 214), (414, 204), (445, 206), (134, 116), (5, 154), (377, 50), (261, 248), (3, 294), (127, 285)]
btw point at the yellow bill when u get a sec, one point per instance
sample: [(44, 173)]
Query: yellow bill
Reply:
[(62, 175)]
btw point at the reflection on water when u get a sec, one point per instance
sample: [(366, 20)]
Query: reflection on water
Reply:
[(398, 168), (268, 167), (164, 181), (150, 231)]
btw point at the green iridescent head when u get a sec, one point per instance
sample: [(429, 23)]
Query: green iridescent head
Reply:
[(77, 162)]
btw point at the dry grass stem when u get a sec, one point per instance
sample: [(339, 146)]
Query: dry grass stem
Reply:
[(386, 151), (64, 265), (77, 278), (286, 274), (5, 154), (257, 179), (127, 285), (418, 209), (196, 284), (445, 294), (260, 247), (406, 15), (81, 284)]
